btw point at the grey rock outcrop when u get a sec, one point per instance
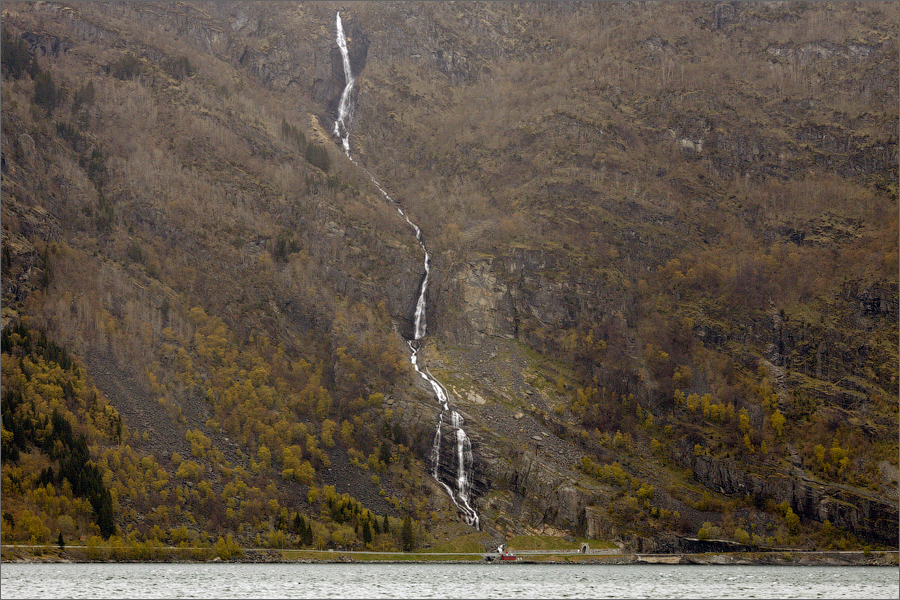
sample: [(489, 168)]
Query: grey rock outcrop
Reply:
[(871, 518)]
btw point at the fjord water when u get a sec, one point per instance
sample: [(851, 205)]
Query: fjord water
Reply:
[(464, 467), (223, 580)]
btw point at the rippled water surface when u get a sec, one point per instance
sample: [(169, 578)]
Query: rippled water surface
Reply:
[(138, 580)]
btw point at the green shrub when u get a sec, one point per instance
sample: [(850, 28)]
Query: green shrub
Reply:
[(127, 67), (179, 68)]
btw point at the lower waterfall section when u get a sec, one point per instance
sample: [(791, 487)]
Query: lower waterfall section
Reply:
[(462, 473)]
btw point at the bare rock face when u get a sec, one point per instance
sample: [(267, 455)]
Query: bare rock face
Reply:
[(534, 495), (879, 299), (869, 517), (486, 306), (47, 44), (514, 297), (280, 67)]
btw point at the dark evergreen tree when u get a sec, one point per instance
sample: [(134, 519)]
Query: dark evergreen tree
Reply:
[(126, 67), (317, 156), (308, 534), (385, 454), (46, 476), (105, 515), (46, 94), (16, 57), (406, 535), (400, 435), (83, 96)]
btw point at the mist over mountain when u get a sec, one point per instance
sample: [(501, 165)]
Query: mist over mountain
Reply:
[(662, 296)]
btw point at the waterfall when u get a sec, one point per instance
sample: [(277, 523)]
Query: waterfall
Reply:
[(420, 303), (464, 469), (342, 123)]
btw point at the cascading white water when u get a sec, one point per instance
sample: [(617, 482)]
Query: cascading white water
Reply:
[(420, 303), (342, 123), (459, 496)]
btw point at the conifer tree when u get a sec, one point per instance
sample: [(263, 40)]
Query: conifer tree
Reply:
[(406, 534), (384, 454), (308, 534)]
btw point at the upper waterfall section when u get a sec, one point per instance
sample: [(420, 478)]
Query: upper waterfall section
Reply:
[(348, 60)]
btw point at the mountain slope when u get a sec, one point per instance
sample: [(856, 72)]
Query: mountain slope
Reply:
[(664, 285)]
